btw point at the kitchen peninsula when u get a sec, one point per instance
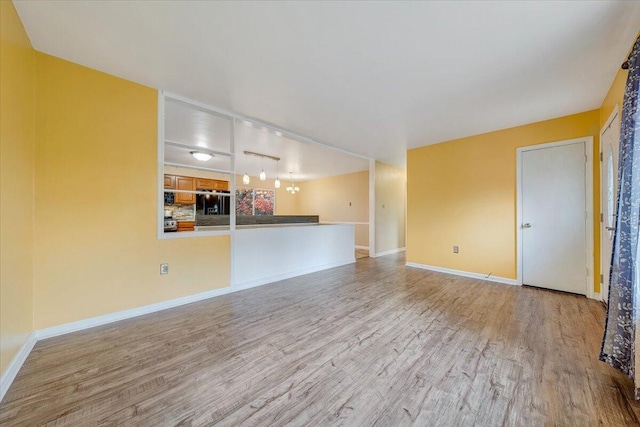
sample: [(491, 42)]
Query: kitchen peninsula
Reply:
[(268, 253)]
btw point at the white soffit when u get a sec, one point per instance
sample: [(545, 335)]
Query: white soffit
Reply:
[(373, 78)]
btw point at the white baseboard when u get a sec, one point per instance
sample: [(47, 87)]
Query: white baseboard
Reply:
[(67, 328), (362, 247), (392, 251), (464, 273), (598, 296), (290, 274), (54, 331), (16, 363)]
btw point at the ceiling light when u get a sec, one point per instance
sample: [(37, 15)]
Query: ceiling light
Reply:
[(276, 183), (278, 133), (292, 188), (263, 175), (203, 157)]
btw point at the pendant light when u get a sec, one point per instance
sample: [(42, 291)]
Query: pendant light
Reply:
[(277, 181), (245, 178), (293, 189), (263, 175)]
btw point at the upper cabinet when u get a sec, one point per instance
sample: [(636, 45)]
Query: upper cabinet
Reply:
[(211, 184), (170, 182), (188, 184), (205, 184)]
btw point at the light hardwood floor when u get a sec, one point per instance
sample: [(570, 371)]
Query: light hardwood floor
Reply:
[(372, 343)]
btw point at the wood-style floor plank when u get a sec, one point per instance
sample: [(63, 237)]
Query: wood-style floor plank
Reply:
[(373, 343)]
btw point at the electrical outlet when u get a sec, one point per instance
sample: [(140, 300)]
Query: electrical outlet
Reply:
[(455, 249), (164, 268)]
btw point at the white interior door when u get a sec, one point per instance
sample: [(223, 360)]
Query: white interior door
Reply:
[(609, 143), (554, 217)]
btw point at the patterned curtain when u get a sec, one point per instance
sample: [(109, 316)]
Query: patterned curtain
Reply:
[(622, 330)]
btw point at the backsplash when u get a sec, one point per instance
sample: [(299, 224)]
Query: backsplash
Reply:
[(182, 212)]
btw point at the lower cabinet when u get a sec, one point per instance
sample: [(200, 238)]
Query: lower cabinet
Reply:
[(186, 225)]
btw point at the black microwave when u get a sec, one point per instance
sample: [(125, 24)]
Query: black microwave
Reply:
[(169, 198)]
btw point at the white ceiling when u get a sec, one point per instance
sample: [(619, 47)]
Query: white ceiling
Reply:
[(374, 78)]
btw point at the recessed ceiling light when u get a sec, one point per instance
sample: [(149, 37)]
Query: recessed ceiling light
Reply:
[(203, 157), (248, 123), (278, 133)]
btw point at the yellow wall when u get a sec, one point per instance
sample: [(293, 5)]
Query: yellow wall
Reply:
[(96, 250), (463, 192), (390, 187), (343, 198), (17, 121)]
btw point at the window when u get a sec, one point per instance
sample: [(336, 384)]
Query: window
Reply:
[(255, 201)]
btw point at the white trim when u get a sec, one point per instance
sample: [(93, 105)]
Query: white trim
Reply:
[(232, 209), (372, 207), (189, 234), (362, 247), (79, 325), (200, 168), (160, 168), (344, 222), (588, 146), (290, 274), (489, 277), (598, 296), (16, 363), (603, 259), (389, 252)]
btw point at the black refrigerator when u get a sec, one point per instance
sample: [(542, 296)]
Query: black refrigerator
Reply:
[(213, 204)]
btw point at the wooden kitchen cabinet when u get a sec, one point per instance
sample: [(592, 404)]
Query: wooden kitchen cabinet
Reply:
[(221, 185), (186, 225), (205, 184), (170, 182), (185, 183), (211, 184)]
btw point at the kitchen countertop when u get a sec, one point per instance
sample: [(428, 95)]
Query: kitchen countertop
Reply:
[(253, 226), (223, 220)]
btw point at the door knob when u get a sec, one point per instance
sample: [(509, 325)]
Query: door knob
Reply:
[(526, 225), (610, 228)]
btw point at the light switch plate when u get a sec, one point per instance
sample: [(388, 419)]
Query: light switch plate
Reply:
[(455, 249), (164, 268)]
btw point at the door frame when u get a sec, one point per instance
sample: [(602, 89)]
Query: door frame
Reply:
[(588, 180), (614, 115)]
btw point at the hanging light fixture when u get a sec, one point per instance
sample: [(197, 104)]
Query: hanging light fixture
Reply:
[(263, 175), (203, 157), (293, 189), (245, 178), (277, 181)]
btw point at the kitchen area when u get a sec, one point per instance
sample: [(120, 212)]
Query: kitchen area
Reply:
[(223, 175), (186, 211)]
